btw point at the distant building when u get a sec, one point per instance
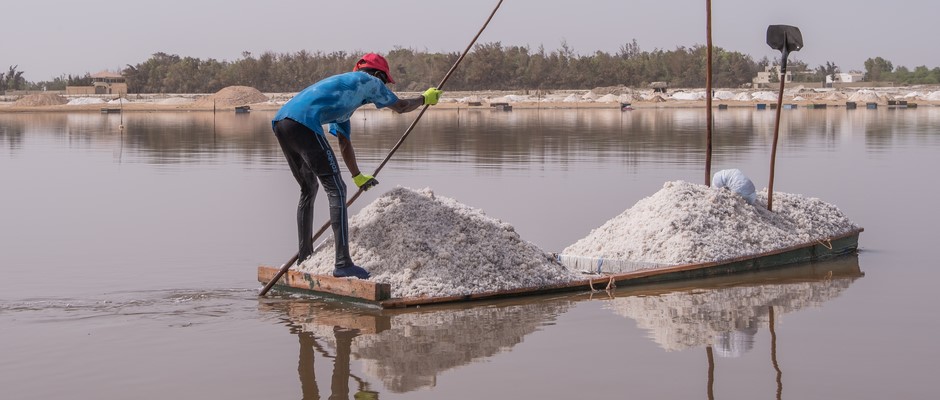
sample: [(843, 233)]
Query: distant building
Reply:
[(103, 82), (842, 77), (763, 78)]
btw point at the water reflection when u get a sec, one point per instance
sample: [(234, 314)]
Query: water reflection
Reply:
[(726, 313), (405, 350), (556, 138)]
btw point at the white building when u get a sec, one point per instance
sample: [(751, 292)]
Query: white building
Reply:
[(763, 78), (851, 76)]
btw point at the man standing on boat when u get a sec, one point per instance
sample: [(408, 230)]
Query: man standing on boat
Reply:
[(298, 126)]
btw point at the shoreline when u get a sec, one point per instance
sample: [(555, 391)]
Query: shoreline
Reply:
[(559, 99)]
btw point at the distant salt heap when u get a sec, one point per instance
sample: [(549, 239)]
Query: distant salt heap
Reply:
[(428, 245), (865, 96), (688, 223)]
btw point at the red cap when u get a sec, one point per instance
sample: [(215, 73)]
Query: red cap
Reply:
[(376, 61)]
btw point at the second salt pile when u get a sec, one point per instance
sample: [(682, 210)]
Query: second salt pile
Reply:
[(686, 223), (428, 245)]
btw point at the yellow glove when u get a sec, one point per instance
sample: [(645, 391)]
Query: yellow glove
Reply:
[(431, 96), (365, 182)]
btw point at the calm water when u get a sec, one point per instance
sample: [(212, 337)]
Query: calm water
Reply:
[(128, 261)]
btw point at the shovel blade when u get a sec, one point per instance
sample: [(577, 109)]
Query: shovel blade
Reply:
[(784, 37)]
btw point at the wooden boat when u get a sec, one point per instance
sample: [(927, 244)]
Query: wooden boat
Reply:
[(376, 294)]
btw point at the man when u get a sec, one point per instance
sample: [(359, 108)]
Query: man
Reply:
[(298, 127)]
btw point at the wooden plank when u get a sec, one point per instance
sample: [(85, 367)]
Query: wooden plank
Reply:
[(346, 287), (315, 313)]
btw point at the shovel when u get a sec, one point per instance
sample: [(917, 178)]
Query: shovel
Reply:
[(785, 38)]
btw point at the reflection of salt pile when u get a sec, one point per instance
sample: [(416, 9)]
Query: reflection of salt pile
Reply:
[(427, 245), (689, 223), (724, 317), (419, 346)]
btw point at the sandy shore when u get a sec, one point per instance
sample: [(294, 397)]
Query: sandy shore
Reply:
[(562, 99)]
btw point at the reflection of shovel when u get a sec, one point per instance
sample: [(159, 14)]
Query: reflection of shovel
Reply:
[(785, 38)]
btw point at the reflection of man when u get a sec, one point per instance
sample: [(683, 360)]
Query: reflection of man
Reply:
[(339, 385), (308, 376)]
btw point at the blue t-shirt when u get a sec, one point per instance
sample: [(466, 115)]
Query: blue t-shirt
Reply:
[(334, 100)]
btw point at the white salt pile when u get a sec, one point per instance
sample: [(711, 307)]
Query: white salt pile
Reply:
[(175, 100), (688, 96), (724, 95), (933, 96), (85, 100), (688, 223), (427, 245), (744, 96), (572, 98), (764, 96), (865, 96)]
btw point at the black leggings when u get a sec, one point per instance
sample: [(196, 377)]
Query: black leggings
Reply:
[(311, 158)]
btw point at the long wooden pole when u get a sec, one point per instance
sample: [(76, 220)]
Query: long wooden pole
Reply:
[(708, 93), (773, 151), (414, 123)]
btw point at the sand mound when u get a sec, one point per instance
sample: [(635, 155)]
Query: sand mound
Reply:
[(689, 223), (427, 245), (835, 96), (233, 96), (614, 90), (41, 99)]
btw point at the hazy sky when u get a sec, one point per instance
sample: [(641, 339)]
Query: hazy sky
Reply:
[(47, 38)]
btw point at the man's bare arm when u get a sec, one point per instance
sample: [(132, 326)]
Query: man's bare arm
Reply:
[(407, 105)]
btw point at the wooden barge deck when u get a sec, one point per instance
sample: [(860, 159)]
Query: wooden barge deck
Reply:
[(376, 294)]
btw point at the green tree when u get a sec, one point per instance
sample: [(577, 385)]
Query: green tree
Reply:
[(829, 69), (13, 79), (878, 69)]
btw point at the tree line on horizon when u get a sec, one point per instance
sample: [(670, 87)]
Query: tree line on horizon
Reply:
[(490, 66)]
